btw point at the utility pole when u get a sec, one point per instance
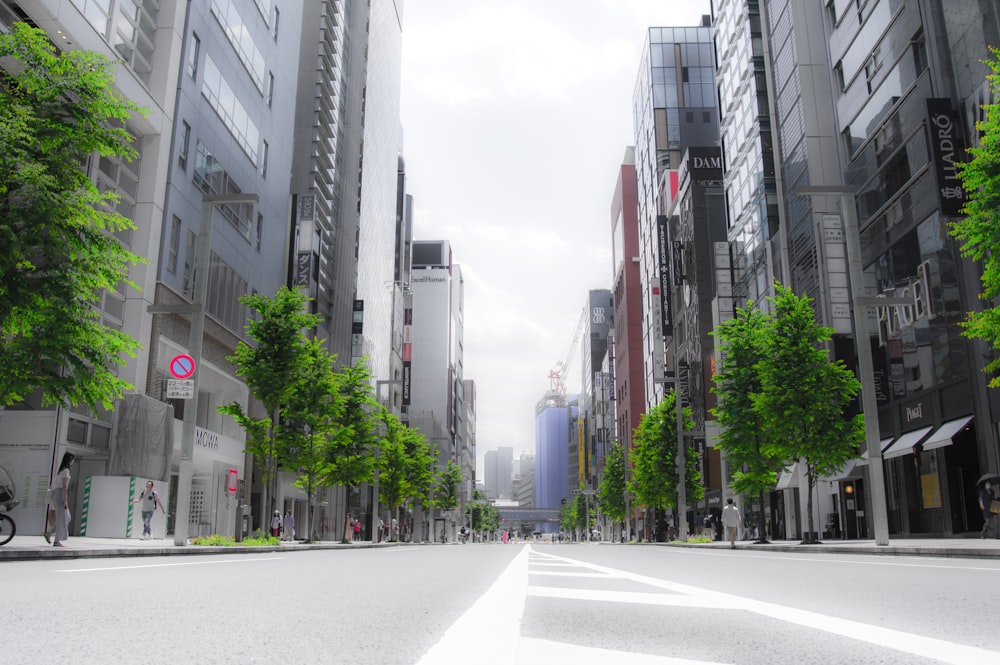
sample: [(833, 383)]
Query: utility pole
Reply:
[(203, 250), (862, 344)]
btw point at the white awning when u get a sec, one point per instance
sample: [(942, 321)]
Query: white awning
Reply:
[(789, 478), (883, 444), (846, 472), (942, 437), (904, 444)]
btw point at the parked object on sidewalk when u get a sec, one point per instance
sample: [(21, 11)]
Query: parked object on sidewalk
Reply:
[(7, 501)]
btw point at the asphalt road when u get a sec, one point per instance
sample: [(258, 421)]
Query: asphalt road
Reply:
[(553, 604)]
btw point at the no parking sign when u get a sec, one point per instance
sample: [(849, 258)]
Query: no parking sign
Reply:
[(182, 366)]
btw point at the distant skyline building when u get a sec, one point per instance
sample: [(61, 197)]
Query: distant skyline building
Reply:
[(499, 473), (554, 424), (595, 396), (436, 362)]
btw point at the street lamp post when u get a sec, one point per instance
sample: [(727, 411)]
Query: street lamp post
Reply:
[(869, 403), (202, 251)]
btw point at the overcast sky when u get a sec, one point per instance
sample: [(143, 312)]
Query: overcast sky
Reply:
[(516, 116)]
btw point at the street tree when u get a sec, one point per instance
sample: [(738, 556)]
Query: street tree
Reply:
[(483, 516), (404, 463), (748, 444), (567, 516), (655, 478), (804, 396), (446, 487), (271, 369), (311, 425), (612, 489), (58, 250), (977, 231), (352, 456)]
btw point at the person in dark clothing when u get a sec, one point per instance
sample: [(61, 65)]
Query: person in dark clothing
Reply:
[(985, 499)]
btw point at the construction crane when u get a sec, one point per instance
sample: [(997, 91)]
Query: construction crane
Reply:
[(559, 373)]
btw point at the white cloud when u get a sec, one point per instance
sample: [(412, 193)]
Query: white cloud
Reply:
[(517, 114)]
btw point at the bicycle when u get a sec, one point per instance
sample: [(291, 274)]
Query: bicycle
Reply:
[(7, 501)]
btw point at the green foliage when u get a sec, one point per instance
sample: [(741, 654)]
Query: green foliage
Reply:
[(978, 230), (217, 540), (483, 516), (58, 252), (446, 490), (310, 423), (352, 456), (611, 492), (404, 463), (804, 396), (654, 482), (567, 516), (272, 370), (750, 449)]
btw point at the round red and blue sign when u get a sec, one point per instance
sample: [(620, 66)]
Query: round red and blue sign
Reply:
[(182, 366)]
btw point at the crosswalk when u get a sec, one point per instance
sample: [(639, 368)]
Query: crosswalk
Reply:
[(541, 587)]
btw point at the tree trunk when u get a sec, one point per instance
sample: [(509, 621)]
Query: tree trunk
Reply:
[(761, 522), (810, 539)]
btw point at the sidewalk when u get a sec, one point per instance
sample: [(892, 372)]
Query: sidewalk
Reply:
[(971, 548), (34, 547)]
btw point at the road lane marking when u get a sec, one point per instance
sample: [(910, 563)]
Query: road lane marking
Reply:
[(918, 645), (531, 651), (559, 573), (494, 619), (169, 565), (631, 597)]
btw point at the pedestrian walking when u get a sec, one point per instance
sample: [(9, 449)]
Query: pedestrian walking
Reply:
[(150, 500), (985, 500), (731, 521), (288, 526), (357, 530), (59, 503), (276, 523)]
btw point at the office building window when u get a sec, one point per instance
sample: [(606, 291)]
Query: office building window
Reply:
[(277, 16), (189, 248), (265, 148), (194, 52), (270, 88), (230, 110), (182, 149), (175, 244)]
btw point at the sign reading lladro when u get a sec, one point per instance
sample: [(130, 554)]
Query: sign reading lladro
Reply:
[(947, 147)]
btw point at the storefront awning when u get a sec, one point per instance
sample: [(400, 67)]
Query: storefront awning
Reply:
[(942, 437), (846, 472), (883, 444), (904, 445), (789, 478)]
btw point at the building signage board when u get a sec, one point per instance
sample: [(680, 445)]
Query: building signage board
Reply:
[(180, 388), (946, 148), (663, 247)]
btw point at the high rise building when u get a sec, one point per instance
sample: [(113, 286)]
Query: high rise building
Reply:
[(595, 404), (436, 356), (555, 422), (238, 79), (146, 41), (629, 381), (674, 106)]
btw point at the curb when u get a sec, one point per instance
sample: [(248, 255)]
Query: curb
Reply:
[(69, 552), (889, 550)]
